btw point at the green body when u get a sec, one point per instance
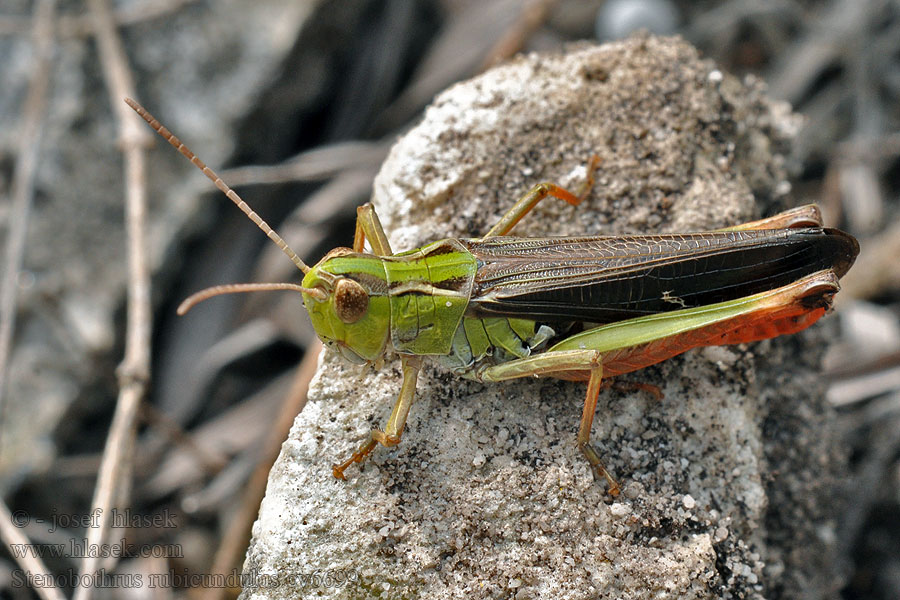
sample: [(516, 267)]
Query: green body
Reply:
[(418, 302), (473, 304)]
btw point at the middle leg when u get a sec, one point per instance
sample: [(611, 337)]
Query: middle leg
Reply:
[(526, 203)]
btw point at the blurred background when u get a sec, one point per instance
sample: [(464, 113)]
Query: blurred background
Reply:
[(298, 102)]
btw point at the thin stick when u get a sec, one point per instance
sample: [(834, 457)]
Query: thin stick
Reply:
[(22, 195), (234, 541), (23, 183), (211, 460), (533, 15), (134, 371), (317, 164), (13, 537), (80, 26)]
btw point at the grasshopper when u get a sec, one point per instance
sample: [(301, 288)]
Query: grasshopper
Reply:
[(500, 307)]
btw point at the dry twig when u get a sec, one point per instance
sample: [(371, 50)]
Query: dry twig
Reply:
[(30, 563), (84, 25), (313, 165), (23, 179), (135, 367), (234, 542), (212, 461), (22, 195), (533, 15)]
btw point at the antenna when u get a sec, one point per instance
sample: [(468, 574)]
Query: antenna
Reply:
[(232, 195), (236, 288)]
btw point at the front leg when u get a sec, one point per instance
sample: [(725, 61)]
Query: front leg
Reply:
[(368, 226), (390, 436)]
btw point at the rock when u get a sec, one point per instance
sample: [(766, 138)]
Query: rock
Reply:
[(487, 496)]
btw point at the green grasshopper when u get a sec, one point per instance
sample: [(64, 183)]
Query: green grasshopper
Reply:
[(499, 307)]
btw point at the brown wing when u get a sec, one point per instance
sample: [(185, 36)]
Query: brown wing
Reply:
[(610, 278)]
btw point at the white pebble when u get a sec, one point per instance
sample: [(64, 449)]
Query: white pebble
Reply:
[(617, 509)]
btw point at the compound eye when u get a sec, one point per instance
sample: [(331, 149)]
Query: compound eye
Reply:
[(351, 301)]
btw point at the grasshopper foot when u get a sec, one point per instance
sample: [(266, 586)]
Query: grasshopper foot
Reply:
[(357, 457), (598, 470), (377, 437)]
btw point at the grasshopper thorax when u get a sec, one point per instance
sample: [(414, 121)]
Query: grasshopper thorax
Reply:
[(352, 314)]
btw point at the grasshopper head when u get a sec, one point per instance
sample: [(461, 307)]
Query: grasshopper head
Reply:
[(351, 313), (345, 293)]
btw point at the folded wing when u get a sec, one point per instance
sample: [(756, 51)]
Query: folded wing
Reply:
[(610, 278)]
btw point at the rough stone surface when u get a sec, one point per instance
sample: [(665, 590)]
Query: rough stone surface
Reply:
[(724, 480)]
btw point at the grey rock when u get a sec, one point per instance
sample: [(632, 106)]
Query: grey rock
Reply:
[(725, 480)]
